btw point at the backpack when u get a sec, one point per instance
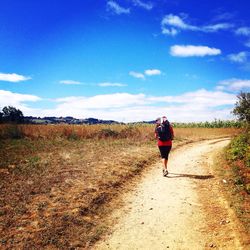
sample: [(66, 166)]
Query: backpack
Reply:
[(163, 131)]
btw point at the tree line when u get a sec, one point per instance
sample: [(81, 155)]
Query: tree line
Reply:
[(10, 114)]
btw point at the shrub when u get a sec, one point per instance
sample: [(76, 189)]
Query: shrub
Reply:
[(238, 154), (130, 132), (70, 133), (107, 132), (12, 132), (239, 148)]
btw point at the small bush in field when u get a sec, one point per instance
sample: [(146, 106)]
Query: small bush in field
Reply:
[(73, 136), (130, 132), (14, 132), (239, 148), (107, 132), (70, 133)]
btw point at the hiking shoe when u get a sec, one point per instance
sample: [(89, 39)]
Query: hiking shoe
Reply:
[(165, 172)]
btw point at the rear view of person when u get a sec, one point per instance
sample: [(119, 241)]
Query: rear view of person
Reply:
[(165, 134)]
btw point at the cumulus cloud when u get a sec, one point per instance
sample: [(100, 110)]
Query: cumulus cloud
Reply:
[(240, 57), (173, 24), (116, 100), (13, 77), (152, 72), (137, 74), (177, 22), (191, 50), (144, 5), (200, 105), (147, 72), (111, 84), (200, 97), (70, 82), (116, 8), (8, 98), (243, 31), (234, 85)]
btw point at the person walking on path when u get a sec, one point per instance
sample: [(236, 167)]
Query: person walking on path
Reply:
[(165, 134)]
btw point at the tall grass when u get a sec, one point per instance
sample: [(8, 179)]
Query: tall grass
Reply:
[(142, 132), (137, 132)]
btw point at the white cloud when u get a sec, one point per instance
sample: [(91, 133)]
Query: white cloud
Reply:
[(116, 8), (216, 27), (137, 74), (147, 6), (111, 84), (234, 85), (243, 31), (201, 97), (147, 72), (191, 50), (8, 98), (176, 21), (152, 72), (241, 57), (224, 16), (70, 82), (13, 77), (117, 100), (200, 105), (169, 31), (173, 24)]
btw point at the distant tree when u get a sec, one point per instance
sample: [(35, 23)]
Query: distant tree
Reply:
[(11, 114), (242, 107)]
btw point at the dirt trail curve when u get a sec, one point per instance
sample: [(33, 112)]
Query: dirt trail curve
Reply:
[(182, 211)]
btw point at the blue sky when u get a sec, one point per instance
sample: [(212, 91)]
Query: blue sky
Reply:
[(127, 60)]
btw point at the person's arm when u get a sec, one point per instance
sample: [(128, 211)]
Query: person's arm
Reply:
[(172, 132), (156, 134)]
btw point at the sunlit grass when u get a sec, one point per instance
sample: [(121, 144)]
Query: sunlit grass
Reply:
[(57, 181)]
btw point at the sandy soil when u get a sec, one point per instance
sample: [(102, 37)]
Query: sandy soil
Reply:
[(185, 210)]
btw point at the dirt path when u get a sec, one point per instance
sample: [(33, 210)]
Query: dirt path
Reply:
[(169, 212)]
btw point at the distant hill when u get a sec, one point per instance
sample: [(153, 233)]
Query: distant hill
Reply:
[(66, 120)]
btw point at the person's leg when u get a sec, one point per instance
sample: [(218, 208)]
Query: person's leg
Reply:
[(165, 167), (164, 155), (165, 160), (165, 163)]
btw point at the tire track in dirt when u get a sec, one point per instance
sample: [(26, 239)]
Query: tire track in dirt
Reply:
[(166, 212)]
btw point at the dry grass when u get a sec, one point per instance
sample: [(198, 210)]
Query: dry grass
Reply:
[(57, 181)]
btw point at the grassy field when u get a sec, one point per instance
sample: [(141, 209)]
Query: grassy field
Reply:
[(59, 183), (236, 175)]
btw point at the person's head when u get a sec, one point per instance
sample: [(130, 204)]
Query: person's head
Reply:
[(164, 119), (158, 121)]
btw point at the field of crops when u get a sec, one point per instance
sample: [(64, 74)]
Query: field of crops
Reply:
[(57, 182)]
